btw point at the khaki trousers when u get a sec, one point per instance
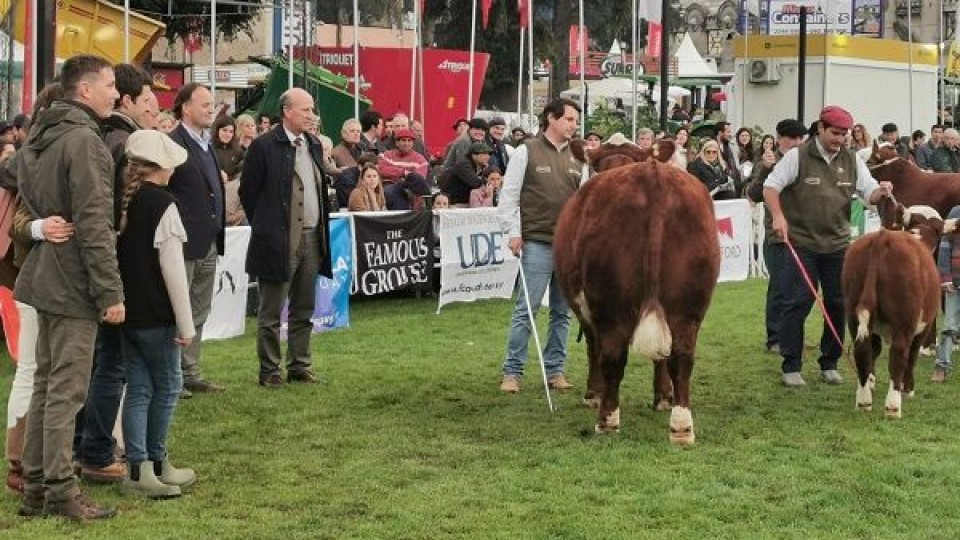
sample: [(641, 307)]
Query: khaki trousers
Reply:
[(201, 274)]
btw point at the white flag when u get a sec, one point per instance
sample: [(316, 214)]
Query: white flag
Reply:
[(650, 10)]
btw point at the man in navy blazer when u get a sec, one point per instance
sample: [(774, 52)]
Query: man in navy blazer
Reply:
[(199, 190)]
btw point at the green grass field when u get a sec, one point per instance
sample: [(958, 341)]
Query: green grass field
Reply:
[(409, 437)]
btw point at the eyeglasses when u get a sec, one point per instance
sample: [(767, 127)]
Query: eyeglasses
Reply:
[(709, 151)]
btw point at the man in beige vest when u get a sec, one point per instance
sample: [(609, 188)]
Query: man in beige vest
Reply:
[(808, 194), (285, 199), (541, 176)]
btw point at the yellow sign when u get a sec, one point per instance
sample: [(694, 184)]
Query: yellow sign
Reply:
[(953, 60), (884, 50)]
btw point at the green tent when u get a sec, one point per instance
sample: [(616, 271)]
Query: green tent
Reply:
[(333, 99)]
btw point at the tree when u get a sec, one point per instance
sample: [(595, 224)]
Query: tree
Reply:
[(232, 19)]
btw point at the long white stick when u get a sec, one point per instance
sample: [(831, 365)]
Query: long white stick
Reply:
[(473, 45), (289, 26), (413, 58), (633, 51), (910, 61), (356, 58), (126, 31), (582, 51), (533, 121), (536, 337), (213, 51), (520, 77)]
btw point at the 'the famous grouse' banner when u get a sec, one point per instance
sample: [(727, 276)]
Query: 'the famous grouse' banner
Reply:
[(393, 252)]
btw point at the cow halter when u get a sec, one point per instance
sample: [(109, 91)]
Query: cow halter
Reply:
[(887, 162)]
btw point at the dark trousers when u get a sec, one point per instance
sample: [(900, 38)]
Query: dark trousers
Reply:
[(300, 290), (824, 270), (103, 399), (773, 257)]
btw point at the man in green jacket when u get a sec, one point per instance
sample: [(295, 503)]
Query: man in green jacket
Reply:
[(74, 283), (946, 157)]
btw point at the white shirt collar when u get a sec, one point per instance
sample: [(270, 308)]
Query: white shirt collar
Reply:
[(291, 136)]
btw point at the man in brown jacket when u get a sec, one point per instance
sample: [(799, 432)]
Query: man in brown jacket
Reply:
[(66, 170)]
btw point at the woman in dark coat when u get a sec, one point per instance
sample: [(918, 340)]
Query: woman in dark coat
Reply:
[(709, 169)]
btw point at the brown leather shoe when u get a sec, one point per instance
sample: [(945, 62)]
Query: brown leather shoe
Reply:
[(204, 387), (301, 377), (78, 507), (31, 505), (939, 375), (272, 381), (510, 384), (14, 477), (559, 382), (111, 474)]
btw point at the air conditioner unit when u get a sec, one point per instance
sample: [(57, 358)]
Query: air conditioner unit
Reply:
[(764, 71)]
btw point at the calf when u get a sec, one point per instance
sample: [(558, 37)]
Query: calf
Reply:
[(891, 291), (637, 256), (913, 185)]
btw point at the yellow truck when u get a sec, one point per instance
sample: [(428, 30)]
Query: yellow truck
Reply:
[(91, 27)]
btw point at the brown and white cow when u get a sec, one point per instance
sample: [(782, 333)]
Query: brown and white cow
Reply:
[(912, 185), (891, 292), (637, 256)]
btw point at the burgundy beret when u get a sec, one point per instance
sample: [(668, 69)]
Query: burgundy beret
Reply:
[(405, 134), (837, 117)]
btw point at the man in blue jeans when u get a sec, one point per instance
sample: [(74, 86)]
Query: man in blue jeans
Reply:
[(948, 264), (541, 177), (808, 194)]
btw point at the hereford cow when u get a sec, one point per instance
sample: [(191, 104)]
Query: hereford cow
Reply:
[(891, 291), (913, 185), (637, 256)]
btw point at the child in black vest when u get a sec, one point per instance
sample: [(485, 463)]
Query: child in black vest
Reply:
[(158, 315)]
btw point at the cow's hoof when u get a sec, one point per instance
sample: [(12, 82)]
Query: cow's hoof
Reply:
[(609, 424), (681, 426), (893, 407), (911, 393), (663, 405), (865, 407), (893, 414), (592, 402)]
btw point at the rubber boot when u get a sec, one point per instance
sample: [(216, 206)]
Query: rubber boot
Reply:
[(143, 481), (168, 474)]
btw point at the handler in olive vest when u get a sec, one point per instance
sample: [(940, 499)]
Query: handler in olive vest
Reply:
[(541, 177), (809, 193)]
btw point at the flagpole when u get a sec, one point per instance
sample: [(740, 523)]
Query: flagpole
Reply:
[(827, 46), (213, 51), (940, 67), (356, 59), (473, 44), (910, 60), (746, 62), (533, 122), (582, 51), (413, 59), (126, 31), (289, 26), (520, 76), (633, 51)]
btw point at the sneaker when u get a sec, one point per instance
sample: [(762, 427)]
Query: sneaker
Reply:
[(939, 375), (831, 376), (111, 474), (510, 384), (203, 387), (78, 507), (793, 379), (185, 394), (559, 382)]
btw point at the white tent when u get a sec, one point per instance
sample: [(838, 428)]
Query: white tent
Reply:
[(612, 88), (690, 63)]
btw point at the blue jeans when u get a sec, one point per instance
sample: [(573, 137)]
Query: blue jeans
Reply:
[(154, 380), (103, 399), (824, 269), (948, 334), (536, 262), (773, 256)]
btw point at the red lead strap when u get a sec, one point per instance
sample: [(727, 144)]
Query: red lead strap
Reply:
[(813, 291)]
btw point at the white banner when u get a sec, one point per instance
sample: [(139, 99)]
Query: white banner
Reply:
[(229, 310), (834, 16), (734, 231), (475, 260)]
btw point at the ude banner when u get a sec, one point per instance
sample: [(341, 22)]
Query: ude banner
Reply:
[(332, 308), (229, 309), (734, 229), (475, 260), (392, 252)]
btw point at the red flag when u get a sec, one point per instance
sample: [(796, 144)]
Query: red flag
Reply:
[(524, 13), (423, 7), (654, 37), (485, 8)]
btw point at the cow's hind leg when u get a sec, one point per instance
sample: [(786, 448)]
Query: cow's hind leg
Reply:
[(613, 361), (865, 351), (662, 386), (899, 352), (680, 365), (594, 374), (908, 383)]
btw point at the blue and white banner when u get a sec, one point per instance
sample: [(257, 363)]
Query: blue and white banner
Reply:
[(332, 308), (475, 260)]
